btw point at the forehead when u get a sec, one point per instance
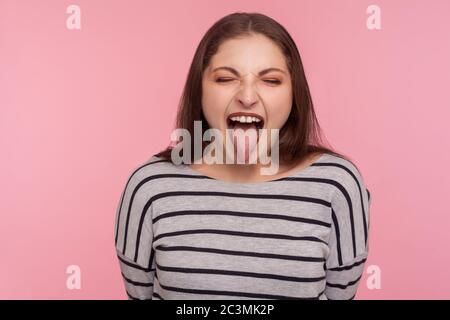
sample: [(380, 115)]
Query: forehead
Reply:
[(249, 54)]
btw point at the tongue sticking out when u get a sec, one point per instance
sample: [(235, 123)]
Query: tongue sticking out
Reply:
[(244, 141)]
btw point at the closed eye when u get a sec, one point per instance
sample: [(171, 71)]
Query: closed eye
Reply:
[(271, 81), (223, 79)]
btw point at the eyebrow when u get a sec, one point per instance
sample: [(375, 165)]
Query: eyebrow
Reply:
[(261, 73)]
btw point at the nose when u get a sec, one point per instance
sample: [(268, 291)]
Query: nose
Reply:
[(247, 96)]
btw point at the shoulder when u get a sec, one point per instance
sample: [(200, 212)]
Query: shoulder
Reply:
[(150, 169), (345, 174), (144, 180), (342, 168), (139, 188)]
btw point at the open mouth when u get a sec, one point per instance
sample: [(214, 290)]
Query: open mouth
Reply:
[(245, 122), (244, 141)]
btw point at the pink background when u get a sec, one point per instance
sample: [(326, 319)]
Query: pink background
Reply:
[(80, 109)]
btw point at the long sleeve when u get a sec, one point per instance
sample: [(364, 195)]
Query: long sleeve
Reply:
[(133, 240), (348, 241), (137, 279)]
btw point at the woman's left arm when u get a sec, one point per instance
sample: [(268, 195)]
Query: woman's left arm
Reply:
[(348, 241)]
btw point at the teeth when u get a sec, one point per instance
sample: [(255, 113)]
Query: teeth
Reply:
[(245, 119)]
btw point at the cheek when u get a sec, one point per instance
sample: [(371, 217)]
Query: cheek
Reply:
[(214, 104), (279, 108)]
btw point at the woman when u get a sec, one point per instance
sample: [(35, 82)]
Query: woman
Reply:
[(225, 230)]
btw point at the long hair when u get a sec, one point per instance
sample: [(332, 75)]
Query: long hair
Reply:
[(301, 134)]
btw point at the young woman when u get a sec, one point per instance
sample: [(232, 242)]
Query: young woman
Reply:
[(224, 230)]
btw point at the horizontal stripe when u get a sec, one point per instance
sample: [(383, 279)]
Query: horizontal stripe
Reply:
[(237, 294), (135, 283), (238, 234), (343, 286), (239, 274), (136, 266), (348, 267), (242, 253), (240, 195), (241, 214)]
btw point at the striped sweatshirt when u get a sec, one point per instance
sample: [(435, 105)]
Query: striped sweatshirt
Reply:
[(185, 236)]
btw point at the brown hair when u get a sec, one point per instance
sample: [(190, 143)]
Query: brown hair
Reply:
[(301, 134)]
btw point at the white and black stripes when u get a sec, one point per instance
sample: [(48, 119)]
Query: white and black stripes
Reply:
[(338, 236), (152, 162), (349, 171), (242, 214), (342, 281), (186, 176), (138, 281), (345, 193), (136, 189), (236, 233), (181, 235), (205, 194)]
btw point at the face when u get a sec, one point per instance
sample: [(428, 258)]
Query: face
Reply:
[(247, 75)]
